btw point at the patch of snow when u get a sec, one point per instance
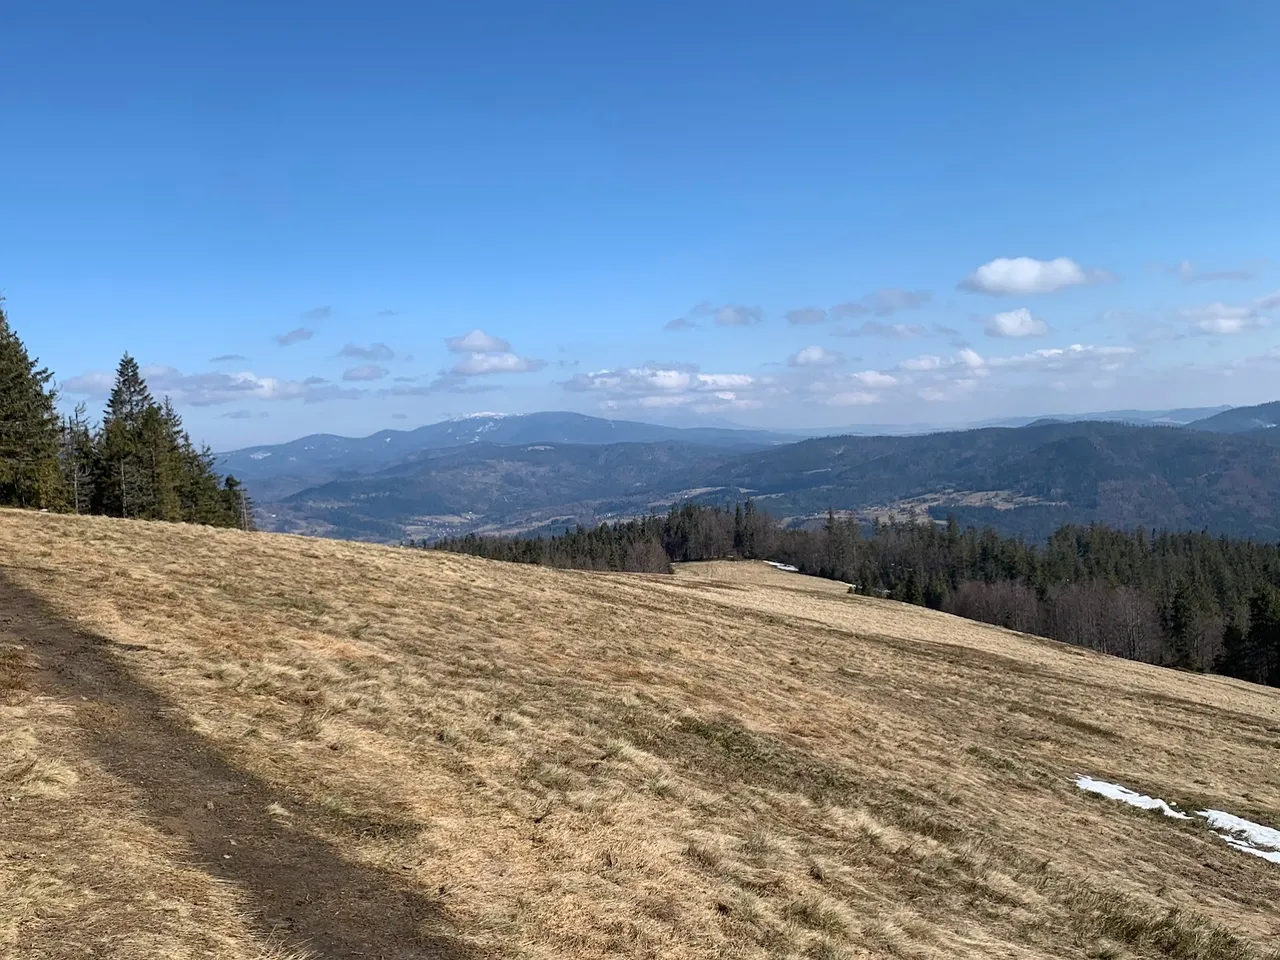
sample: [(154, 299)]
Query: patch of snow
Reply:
[(1116, 792), (1245, 835), (260, 455), (788, 568), (1239, 833), (386, 439), (540, 446)]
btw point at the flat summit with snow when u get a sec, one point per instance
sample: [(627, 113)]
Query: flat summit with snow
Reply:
[(248, 746)]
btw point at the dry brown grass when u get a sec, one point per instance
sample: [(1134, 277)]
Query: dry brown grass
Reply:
[(517, 762)]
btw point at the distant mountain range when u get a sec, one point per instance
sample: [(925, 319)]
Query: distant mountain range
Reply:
[(545, 471), (276, 471)]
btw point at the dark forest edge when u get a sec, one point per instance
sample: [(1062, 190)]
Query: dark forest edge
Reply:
[(138, 462), (1185, 600)]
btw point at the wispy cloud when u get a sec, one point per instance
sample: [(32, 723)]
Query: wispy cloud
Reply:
[(890, 300), (1018, 276), (729, 315), (364, 372), (377, 351), (477, 341), (214, 388), (95, 383), (296, 335), (880, 303), (1225, 319), (737, 315), (805, 316), (480, 364), (388, 313), (874, 328), (1187, 272), (317, 313), (227, 358)]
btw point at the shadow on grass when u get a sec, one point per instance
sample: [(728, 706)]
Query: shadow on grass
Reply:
[(300, 890)]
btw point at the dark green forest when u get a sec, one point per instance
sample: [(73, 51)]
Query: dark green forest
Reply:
[(1184, 600), (138, 461)]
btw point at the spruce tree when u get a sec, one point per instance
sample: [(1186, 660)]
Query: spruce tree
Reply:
[(78, 457), (30, 475), (123, 483)]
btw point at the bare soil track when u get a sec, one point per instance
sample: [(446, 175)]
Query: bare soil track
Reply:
[(304, 893)]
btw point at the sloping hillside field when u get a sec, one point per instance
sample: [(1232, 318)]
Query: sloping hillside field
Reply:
[(246, 746)]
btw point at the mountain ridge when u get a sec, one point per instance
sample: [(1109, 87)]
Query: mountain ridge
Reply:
[(1024, 480)]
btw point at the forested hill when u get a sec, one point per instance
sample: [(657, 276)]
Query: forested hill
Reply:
[(1026, 481), (1177, 599), (1037, 478), (138, 462)]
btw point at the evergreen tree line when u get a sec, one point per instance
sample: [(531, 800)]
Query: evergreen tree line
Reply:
[(1184, 600), (138, 462)]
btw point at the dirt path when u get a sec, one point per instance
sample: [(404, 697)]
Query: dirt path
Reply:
[(302, 893)]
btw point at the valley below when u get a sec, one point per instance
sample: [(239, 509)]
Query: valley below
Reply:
[(1024, 481)]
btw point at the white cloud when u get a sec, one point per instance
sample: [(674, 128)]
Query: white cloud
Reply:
[(485, 355), (926, 362), (1015, 276), (969, 357), (668, 386), (874, 378), (1060, 358), (1016, 323), (95, 383), (477, 341), (814, 357), (211, 389), (1222, 319), (736, 315), (481, 364), (717, 381)]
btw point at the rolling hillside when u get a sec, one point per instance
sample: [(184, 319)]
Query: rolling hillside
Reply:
[(249, 746), (1026, 481), (1264, 416), (1038, 476)]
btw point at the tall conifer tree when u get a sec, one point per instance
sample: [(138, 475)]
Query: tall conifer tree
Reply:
[(29, 427)]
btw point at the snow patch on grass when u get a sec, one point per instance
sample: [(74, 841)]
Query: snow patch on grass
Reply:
[(1116, 792), (1245, 835), (1241, 834)]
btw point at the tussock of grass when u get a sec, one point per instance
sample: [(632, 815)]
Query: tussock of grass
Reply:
[(509, 761)]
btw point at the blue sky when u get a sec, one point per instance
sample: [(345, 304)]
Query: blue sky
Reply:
[(812, 214)]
